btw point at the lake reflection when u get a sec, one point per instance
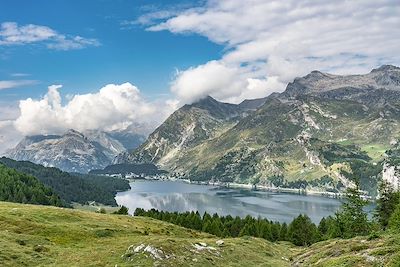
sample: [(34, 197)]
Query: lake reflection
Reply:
[(179, 196)]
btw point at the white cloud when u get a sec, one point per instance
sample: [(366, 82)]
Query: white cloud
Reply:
[(13, 34), (18, 74), (15, 83), (268, 43), (112, 107), (9, 136), (228, 83), (148, 18)]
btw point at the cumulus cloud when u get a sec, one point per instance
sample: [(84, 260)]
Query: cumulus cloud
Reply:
[(13, 34), (9, 136), (15, 83), (112, 107), (268, 43)]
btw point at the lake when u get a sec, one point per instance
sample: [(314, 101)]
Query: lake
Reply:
[(180, 196)]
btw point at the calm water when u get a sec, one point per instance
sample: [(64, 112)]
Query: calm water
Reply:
[(179, 196)]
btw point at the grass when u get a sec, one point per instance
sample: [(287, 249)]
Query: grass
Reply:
[(95, 208), (375, 151), (47, 236), (359, 251)]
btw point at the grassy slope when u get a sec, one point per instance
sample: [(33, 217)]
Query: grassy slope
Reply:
[(359, 251), (78, 238)]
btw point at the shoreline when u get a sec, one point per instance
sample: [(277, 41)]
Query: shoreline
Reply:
[(259, 188), (270, 189), (265, 188)]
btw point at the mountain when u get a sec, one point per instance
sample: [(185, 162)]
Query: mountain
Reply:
[(385, 77), (71, 152), (128, 138), (75, 151), (324, 132), (186, 128), (253, 104)]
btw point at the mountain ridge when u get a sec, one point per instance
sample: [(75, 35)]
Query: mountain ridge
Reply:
[(343, 113), (72, 151)]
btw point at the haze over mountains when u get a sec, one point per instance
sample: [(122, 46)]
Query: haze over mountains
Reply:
[(321, 131), (75, 151)]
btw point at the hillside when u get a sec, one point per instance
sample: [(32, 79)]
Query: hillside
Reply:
[(38, 235), (323, 132), (20, 187), (186, 128), (61, 237), (79, 188)]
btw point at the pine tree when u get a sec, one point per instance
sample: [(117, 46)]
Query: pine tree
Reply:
[(207, 227), (352, 219), (333, 229), (386, 203), (236, 227), (284, 232), (216, 227), (302, 231), (246, 230), (394, 221), (275, 231), (323, 227)]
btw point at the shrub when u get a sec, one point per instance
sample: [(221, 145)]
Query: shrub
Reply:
[(122, 211)]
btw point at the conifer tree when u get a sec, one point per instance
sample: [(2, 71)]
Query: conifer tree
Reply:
[(386, 203), (302, 231), (352, 219)]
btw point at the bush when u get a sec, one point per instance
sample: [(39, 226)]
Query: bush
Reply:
[(122, 211)]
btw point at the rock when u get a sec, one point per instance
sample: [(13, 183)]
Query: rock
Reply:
[(219, 243), (202, 244), (147, 250), (200, 247), (139, 248), (154, 252), (40, 248)]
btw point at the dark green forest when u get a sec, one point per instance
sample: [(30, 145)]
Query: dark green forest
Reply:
[(20, 187), (72, 187)]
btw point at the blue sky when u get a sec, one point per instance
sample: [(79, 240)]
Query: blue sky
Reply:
[(124, 54), (110, 64)]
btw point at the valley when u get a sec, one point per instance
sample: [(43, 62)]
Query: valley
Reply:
[(200, 133)]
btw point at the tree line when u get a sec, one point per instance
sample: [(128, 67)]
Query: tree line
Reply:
[(23, 188), (79, 188), (349, 221)]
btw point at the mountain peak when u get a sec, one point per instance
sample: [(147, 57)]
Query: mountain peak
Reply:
[(72, 132), (385, 77), (385, 68), (205, 100)]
